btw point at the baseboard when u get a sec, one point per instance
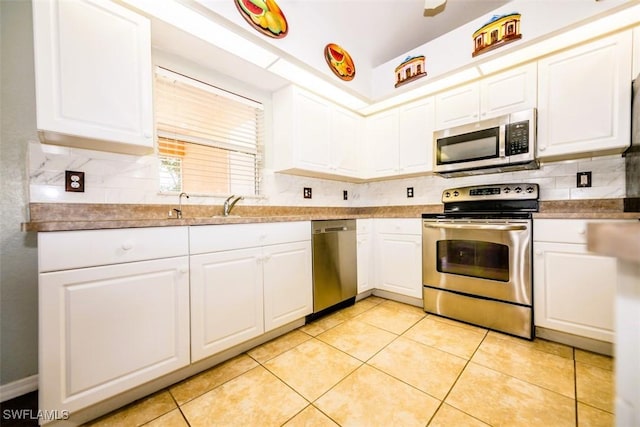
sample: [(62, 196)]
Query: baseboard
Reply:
[(589, 344), (397, 297), (18, 388)]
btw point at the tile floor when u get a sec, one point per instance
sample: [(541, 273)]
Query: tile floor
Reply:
[(383, 363)]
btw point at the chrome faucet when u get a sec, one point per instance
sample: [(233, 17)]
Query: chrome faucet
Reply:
[(228, 206), (179, 210)]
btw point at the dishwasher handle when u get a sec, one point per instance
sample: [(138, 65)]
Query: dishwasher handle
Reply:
[(331, 229)]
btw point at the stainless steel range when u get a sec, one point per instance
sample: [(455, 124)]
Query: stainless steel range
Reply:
[(476, 257)]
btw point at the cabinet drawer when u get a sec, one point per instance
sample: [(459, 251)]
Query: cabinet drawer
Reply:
[(213, 238), (63, 250), (564, 230), (399, 226), (364, 226)]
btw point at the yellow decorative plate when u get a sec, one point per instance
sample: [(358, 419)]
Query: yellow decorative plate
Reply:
[(265, 16), (339, 61)]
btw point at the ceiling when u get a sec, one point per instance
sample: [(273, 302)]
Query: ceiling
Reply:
[(373, 32), (386, 29)]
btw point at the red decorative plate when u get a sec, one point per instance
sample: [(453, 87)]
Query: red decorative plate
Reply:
[(339, 61), (265, 16)]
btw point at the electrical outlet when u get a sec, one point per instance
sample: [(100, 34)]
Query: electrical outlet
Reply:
[(345, 195), (409, 191), (583, 179), (74, 181), (306, 192)]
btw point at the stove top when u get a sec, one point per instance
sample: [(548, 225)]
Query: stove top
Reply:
[(517, 200)]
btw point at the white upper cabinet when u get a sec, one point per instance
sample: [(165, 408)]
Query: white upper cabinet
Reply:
[(93, 75), (345, 131), (415, 140), (458, 106), (401, 140), (503, 93), (381, 144), (584, 99), (314, 137), (508, 92)]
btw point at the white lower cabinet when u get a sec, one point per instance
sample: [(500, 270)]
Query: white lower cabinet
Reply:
[(226, 300), (120, 308), (398, 256), (104, 329), (288, 291), (574, 289), (364, 234), (251, 278)]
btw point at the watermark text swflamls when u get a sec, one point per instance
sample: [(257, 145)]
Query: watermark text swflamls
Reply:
[(31, 414)]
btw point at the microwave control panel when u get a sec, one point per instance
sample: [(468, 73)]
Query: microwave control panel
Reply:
[(517, 138)]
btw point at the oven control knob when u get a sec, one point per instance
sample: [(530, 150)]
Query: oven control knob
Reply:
[(506, 190), (456, 194), (447, 194), (529, 190), (518, 190)]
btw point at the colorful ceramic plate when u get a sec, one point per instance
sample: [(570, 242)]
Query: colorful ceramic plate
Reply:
[(265, 16), (339, 61)]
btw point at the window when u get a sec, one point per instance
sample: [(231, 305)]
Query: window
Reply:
[(209, 140)]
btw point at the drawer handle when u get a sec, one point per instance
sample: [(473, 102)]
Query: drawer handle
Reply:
[(183, 270), (582, 231), (127, 246)]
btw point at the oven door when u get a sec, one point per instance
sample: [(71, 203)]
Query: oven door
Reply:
[(491, 259)]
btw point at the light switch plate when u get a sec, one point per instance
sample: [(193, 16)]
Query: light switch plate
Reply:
[(583, 179)]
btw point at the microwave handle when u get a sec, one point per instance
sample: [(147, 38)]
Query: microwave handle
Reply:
[(502, 135)]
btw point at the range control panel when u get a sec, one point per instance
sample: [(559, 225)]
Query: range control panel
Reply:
[(518, 191)]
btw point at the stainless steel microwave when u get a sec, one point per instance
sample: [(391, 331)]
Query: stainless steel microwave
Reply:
[(503, 143)]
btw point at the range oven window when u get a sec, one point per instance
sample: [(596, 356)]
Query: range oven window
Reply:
[(485, 260)]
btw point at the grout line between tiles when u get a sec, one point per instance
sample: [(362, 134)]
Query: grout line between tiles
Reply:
[(442, 402)]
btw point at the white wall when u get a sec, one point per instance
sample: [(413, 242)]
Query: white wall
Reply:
[(18, 256)]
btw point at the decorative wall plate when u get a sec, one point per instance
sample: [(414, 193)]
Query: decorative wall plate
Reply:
[(498, 31), (339, 61), (265, 16), (410, 69)]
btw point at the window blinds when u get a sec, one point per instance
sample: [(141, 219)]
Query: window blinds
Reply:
[(209, 140)]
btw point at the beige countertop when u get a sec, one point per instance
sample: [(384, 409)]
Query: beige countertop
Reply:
[(85, 216)]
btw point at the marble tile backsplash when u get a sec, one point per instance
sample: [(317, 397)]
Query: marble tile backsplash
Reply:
[(120, 178)]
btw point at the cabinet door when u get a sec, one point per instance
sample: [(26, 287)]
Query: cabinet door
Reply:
[(226, 300), (635, 69), (365, 255), (345, 133), (288, 290), (458, 106), (93, 75), (574, 290), (399, 264), (311, 138), (415, 146), (382, 143), (508, 92), (584, 99), (104, 330)]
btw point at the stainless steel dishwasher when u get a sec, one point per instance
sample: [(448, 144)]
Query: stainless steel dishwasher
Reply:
[(335, 277)]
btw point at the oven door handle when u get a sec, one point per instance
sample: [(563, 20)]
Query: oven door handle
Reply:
[(496, 227)]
